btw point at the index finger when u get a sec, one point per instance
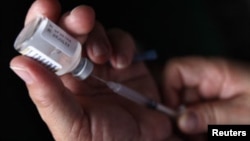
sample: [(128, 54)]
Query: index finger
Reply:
[(48, 8)]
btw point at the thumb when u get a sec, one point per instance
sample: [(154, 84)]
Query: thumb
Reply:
[(53, 101), (197, 118)]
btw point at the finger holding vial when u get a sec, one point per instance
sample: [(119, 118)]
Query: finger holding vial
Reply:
[(50, 43), (101, 45), (48, 8), (80, 23)]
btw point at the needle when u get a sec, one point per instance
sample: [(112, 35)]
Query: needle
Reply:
[(137, 97)]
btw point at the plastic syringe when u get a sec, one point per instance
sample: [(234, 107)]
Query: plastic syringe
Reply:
[(137, 97)]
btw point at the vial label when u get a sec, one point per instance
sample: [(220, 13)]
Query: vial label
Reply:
[(37, 55), (59, 38)]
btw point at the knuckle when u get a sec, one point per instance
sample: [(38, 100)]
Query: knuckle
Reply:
[(211, 114)]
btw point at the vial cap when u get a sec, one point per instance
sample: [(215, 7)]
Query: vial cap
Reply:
[(84, 69)]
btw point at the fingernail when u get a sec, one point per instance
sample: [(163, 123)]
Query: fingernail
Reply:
[(99, 50), (121, 62), (23, 74), (189, 121)]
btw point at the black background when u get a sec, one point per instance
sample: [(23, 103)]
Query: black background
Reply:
[(172, 28)]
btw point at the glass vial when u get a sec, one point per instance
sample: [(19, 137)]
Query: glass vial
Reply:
[(44, 41)]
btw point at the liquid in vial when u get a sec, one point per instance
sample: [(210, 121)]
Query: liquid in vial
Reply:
[(44, 41)]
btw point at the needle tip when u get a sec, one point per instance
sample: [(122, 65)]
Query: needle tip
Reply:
[(99, 79)]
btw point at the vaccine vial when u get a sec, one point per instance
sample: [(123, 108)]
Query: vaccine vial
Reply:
[(47, 43)]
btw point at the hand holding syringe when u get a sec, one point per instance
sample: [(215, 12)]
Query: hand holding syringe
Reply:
[(52, 52), (136, 97)]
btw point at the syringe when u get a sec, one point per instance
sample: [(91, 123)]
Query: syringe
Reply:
[(137, 97)]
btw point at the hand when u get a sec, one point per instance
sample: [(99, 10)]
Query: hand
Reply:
[(88, 110), (215, 91)]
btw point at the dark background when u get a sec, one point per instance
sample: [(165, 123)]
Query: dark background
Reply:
[(172, 28)]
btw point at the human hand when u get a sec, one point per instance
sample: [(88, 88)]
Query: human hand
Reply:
[(87, 110), (215, 91)]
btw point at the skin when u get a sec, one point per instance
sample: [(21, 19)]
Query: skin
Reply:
[(214, 90), (210, 88), (87, 110)]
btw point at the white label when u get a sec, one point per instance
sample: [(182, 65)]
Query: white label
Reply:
[(36, 54), (59, 38)]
